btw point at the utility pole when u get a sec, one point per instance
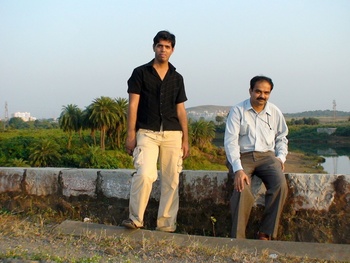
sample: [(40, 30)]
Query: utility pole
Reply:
[(334, 111), (6, 116)]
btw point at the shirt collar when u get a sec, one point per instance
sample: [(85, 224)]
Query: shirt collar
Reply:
[(248, 106), (171, 67)]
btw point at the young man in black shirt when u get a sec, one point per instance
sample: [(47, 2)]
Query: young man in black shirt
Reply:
[(157, 130)]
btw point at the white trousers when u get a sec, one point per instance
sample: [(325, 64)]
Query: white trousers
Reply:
[(165, 147)]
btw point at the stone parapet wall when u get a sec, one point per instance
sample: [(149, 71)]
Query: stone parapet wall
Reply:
[(202, 194)]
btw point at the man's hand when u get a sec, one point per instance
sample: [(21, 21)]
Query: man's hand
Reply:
[(240, 180), (130, 144), (185, 150)]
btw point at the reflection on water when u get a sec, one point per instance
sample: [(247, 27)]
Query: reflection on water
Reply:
[(334, 163), (327, 152), (337, 164)]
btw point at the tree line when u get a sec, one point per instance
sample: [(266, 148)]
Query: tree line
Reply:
[(89, 138), (109, 117), (94, 138), (304, 121)]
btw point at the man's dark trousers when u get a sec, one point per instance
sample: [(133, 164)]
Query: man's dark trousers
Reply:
[(265, 166)]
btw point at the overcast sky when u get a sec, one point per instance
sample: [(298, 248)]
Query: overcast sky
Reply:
[(60, 52)]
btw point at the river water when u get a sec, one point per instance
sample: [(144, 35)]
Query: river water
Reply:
[(337, 164)]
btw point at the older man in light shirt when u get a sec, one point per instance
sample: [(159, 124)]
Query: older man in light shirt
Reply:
[(256, 144)]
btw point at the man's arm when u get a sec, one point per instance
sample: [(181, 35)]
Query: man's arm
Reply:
[(281, 141), (130, 143), (232, 149), (231, 137), (182, 115)]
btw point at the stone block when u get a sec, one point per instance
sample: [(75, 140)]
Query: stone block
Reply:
[(75, 182), (115, 183), (200, 185), (42, 181), (313, 191), (10, 179), (203, 185)]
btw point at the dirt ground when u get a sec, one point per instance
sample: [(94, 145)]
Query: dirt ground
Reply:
[(301, 163)]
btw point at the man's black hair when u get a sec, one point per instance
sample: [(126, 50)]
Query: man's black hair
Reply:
[(257, 79), (164, 35)]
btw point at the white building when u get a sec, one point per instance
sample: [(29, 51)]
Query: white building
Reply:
[(24, 116)]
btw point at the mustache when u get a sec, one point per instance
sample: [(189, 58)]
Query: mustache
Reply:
[(261, 99)]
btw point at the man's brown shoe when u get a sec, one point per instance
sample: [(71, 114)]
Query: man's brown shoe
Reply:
[(263, 236)]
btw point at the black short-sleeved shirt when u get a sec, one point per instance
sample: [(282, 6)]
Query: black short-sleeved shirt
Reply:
[(158, 98)]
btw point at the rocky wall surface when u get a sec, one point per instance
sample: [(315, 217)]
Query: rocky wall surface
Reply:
[(321, 201)]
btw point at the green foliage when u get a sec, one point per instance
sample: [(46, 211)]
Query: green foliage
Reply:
[(220, 119), (45, 124), (305, 137), (202, 133), (17, 145), (117, 133), (305, 132), (103, 116), (343, 131), (304, 121), (122, 159), (200, 161), (70, 118), (317, 113), (18, 123), (16, 163), (70, 121), (309, 132), (15, 148), (45, 153), (48, 148), (220, 128), (72, 160), (95, 157)]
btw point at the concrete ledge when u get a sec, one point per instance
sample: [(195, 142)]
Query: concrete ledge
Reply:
[(334, 252), (41, 182), (309, 191), (10, 179)]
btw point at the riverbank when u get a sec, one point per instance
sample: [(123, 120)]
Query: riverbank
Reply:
[(302, 163)]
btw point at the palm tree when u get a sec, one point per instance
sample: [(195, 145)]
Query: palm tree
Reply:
[(203, 132), (118, 131), (44, 153), (70, 121), (17, 162), (103, 116), (87, 123)]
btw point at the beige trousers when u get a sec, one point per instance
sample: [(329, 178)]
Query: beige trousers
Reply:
[(165, 147)]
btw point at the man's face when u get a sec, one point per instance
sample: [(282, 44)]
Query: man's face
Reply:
[(260, 94), (163, 50)]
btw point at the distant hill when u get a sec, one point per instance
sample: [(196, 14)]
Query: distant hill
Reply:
[(209, 112), (209, 108), (318, 113)]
